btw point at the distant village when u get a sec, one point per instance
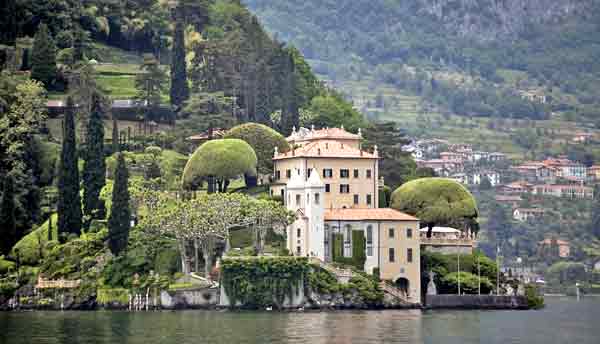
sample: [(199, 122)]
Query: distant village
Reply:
[(552, 177)]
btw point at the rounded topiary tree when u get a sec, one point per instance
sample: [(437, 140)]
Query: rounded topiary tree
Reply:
[(218, 161), (437, 201), (263, 140)]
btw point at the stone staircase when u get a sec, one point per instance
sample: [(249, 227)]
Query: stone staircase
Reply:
[(395, 292)]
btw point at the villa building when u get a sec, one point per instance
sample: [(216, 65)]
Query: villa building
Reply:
[(528, 214), (332, 185)]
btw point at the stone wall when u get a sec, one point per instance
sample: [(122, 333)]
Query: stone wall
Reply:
[(476, 302), (199, 298)]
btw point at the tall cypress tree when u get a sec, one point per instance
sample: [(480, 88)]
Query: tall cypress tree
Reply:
[(120, 215), (43, 59), (69, 201), (290, 116), (115, 135), (179, 86), (8, 221), (94, 168)]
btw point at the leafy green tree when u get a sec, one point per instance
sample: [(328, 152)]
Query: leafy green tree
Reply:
[(43, 59), (8, 221), (150, 85), (437, 201), (263, 140), (219, 161), (120, 214), (94, 167), (206, 111), (115, 135), (179, 84), (69, 201), (269, 215)]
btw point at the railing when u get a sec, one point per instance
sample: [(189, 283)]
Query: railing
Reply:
[(448, 241), (340, 274), (57, 284), (395, 292)]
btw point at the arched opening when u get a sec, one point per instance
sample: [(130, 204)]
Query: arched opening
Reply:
[(403, 284)]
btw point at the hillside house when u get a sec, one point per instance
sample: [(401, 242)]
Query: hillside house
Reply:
[(528, 214), (512, 200), (536, 171), (566, 168), (565, 191), (564, 247), (516, 188), (446, 240)]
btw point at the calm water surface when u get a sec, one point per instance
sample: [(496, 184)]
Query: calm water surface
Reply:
[(562, 321)]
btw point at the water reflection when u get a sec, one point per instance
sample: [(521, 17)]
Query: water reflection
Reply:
[(563, 321)]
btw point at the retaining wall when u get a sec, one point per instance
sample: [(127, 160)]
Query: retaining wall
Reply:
[(476, 302)]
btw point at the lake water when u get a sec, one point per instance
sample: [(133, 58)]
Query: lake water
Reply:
[(564, 320)]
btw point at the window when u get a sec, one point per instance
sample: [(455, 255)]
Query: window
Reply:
[(327, 173), (298, 232), (344, 188), (355, 173), (355, 199), (368, 174), (327, 188), (298, 251), (369, 200), (298, 199), (409, 255), (392, 254), (317, 199), (409, 233), (288, 174), (278, 175), (344, 173), (391, 232), (308, 172)]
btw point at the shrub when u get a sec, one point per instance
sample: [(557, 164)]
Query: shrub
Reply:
[(534, 300), (31, 246), (115, 295), (468, 283)]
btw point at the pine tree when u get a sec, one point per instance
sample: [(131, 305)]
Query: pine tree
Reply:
[(94, 168), (179, 85), (120, 215), (8, 221), (115, 135), (43, 59), (69, 201), (290, 116)]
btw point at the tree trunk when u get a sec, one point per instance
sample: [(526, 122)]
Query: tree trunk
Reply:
[(225, 185), (183, 256), (196, 257), (429, 230), (207, 264)]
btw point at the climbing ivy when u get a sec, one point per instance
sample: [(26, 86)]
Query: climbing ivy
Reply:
[(262, 282), (358, 258)]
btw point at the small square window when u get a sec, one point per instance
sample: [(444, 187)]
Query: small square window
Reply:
[(298, 200), (369, 200), (288, 174), (278, 175), (355, 199), (317, 198), (409, 255), (391, 233), (344, 188), (344, 173), (355, 173), (327, 188), (392, 255), (369, 174), (299, 232), (409, 233)]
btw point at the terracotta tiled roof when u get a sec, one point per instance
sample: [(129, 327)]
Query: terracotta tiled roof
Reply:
[(217, 133), (380, 214), (549, 242), (326, 149)]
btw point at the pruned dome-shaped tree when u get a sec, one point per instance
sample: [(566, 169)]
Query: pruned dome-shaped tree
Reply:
[(438, 202), (217, 162), (263, 140)]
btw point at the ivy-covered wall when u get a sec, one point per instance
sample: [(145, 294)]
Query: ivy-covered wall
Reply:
[(358, 250), (260, 282)]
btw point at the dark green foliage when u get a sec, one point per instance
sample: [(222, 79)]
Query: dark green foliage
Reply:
[(116, 142), (385, 196), (43, 59), (69, 201), (323, 281), (445, 267), (179, 85), (338, 247), (150, 85), (94, 167), (469, 284), (8, 22), (486, 184), (358, 250), (534, 299), (368, 289), (262, 282), (8, 221), (120, 214)]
